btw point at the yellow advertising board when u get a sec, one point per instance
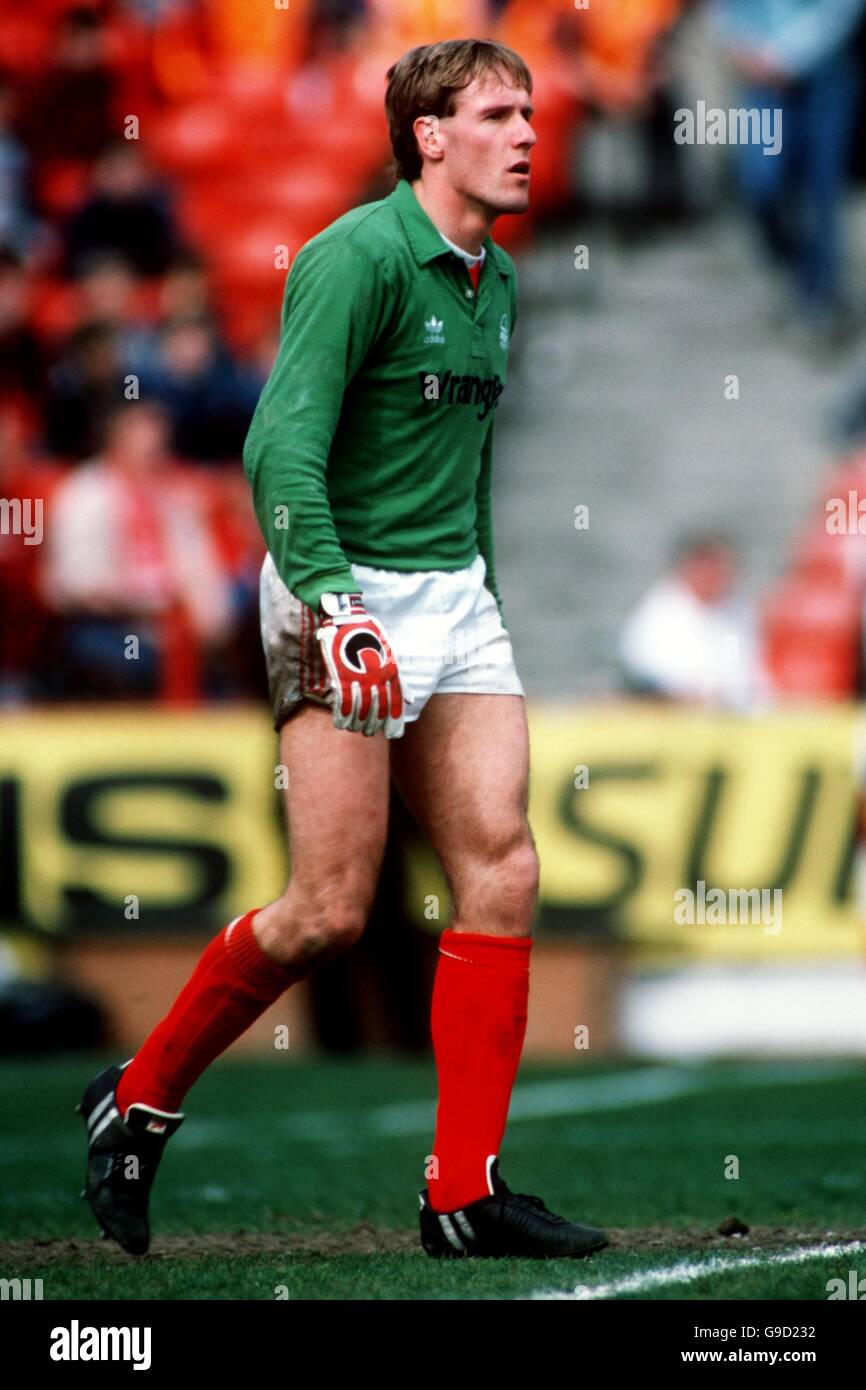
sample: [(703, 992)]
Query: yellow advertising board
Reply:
[(123, 819), (129, 819), (635, 808)]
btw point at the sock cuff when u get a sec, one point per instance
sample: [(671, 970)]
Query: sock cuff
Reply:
[(249, 959), (482, 948)]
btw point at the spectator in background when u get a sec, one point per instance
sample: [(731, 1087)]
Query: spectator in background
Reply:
[(127, 213), (107, 294), (129, 546), (105, 290), (184, 291), (84, 384), (22, 363), (68, 112), (688, 639), (185, 296), (209, 398), (799, 56)]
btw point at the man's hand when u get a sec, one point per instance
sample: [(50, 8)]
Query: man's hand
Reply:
[(364, 677)]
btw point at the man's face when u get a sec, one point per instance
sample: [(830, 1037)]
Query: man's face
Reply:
[(138, 443), (488, 142), (710, 573)]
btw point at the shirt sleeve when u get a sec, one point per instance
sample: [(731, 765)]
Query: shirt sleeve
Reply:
[(484, 518), (815, 33), (484, 491), (335, 308)]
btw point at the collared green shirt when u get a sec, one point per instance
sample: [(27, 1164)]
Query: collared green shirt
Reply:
[(372, 439)]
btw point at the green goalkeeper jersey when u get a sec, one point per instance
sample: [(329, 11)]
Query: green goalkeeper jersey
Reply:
[(372, 441)]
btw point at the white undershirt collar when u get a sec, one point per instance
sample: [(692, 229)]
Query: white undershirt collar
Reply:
[(465, 255)]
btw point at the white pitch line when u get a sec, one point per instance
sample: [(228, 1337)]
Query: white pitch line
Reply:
[(592, 1095), (546, 1099), (689, 1270), (532, 1101)]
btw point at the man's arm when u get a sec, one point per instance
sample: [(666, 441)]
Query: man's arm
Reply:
[(484, 517), (335, 307), (483, 491)]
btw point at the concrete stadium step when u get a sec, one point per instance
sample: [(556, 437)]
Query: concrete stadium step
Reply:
[(616, 401)]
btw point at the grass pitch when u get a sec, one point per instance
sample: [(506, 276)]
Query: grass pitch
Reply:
[(298, 1180)]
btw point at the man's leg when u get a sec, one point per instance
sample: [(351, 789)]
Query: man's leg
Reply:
[(337, 812), (463, 770), (764, 180), (830, 102)]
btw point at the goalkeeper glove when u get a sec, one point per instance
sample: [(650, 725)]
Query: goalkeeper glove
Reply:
[(364, 678)]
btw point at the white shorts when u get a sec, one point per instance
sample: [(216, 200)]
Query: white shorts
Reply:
[(443, 625)]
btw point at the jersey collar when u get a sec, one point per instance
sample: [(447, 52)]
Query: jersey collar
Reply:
[(423, 236)]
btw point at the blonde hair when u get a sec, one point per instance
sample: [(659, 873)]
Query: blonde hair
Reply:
[(426, 81)]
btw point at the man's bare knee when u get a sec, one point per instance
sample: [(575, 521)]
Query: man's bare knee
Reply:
[(303, 930), (519, 875), (499, 890)]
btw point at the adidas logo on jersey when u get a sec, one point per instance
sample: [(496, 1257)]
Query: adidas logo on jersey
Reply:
[(434, 329)]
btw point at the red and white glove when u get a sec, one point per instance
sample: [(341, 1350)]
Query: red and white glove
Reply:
[(364, 676)]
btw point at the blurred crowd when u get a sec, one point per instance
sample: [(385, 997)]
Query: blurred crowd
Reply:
[(156, 157), (161, 161)]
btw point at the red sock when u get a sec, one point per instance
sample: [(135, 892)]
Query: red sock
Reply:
[(478, 1021), (233, 983)]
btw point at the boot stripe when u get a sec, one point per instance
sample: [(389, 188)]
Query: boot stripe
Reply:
[(113, 1114), (450, 1233), (98, 1110), (462, 1221)]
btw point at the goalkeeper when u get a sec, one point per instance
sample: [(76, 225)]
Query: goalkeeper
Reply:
[(369, 458)]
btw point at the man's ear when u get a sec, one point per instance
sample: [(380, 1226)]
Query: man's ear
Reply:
[(426, 130)]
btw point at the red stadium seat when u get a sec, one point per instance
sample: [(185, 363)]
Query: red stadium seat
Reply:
[(25, 42), (248, 285), (180, 659), (61, 186), (832, 548), (826, 559), (312, 192), (811, 638), (244, 321), (55, 309), (193, 138)]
